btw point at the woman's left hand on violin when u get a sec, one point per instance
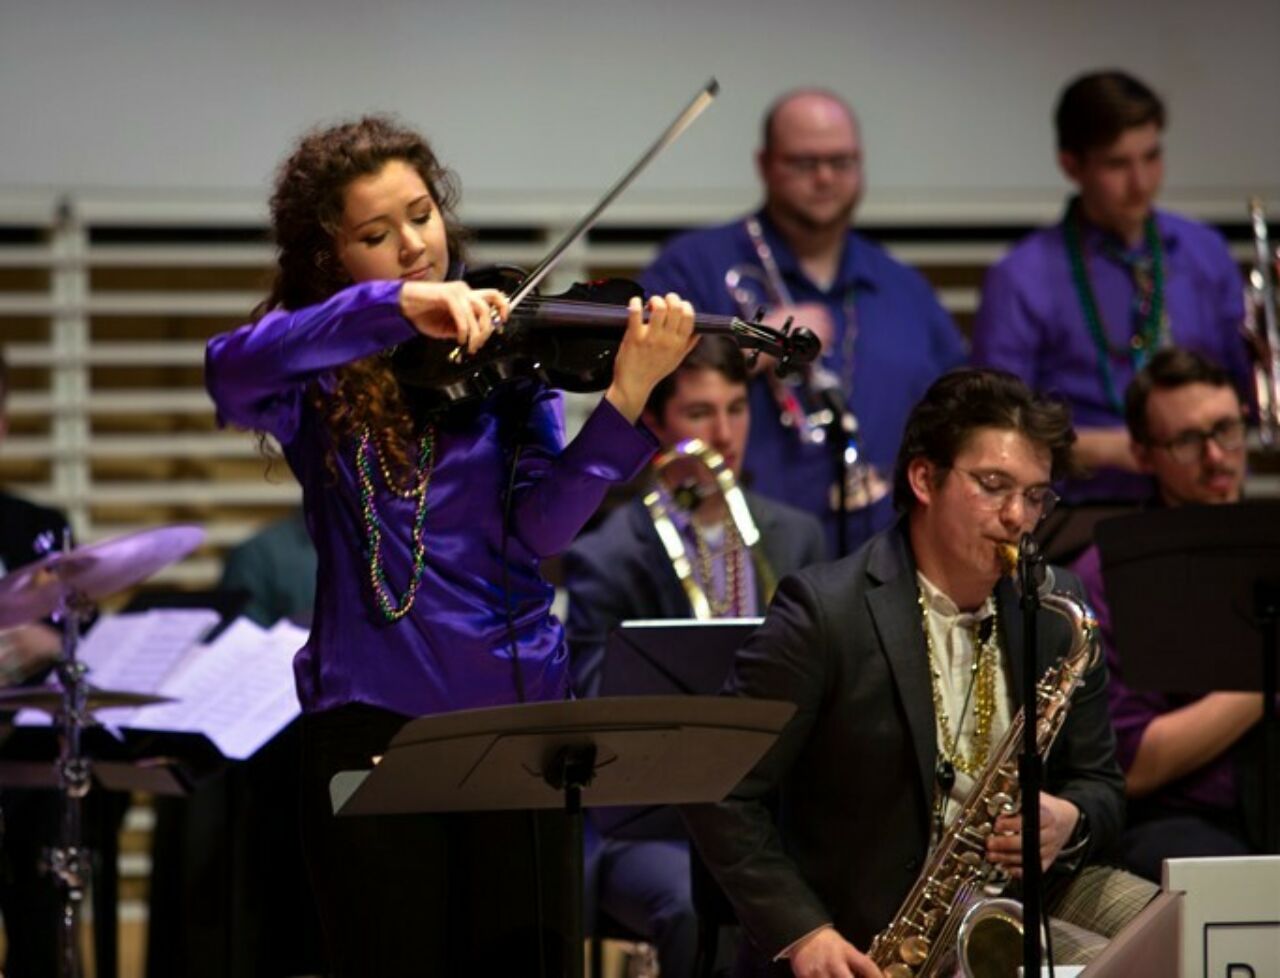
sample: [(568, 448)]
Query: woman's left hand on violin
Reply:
[(651, 348)]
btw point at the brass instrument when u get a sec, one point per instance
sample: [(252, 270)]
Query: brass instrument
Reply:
[(688, 474), (1260, 328), (953, 917), (813, 401)]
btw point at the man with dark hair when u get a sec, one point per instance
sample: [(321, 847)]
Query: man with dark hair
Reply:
[(904, 662), (1179, 753), (884, 335), (1077, 309), (623, 571)]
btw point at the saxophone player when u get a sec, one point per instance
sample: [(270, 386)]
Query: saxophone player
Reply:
[(884, 335), (904, 662)]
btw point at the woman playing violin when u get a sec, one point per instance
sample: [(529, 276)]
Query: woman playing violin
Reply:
[(429, 529)]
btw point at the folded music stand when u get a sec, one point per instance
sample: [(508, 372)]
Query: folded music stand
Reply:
[(607, 751), (1194, 594)]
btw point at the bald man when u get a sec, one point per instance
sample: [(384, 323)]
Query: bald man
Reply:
[(885, 337)]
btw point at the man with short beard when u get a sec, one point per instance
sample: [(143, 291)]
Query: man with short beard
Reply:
[(885, 337), (1179, 753)]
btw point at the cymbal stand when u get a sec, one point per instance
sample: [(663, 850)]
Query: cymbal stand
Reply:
[(69, 862)]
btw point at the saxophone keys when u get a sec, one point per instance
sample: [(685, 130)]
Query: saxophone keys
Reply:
[(914, 950), (1000, 804), (897, 970), (970, 859)]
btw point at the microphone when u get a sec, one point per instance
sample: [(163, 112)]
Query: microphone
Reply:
[(1032, 566)]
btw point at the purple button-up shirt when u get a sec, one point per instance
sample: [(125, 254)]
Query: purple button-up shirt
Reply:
[(892, 340), (1211, 786), (1030, 322), (452, 650)]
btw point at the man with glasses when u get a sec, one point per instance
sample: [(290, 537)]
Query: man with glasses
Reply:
[(885, 338), (904, 662), (1179, 753)]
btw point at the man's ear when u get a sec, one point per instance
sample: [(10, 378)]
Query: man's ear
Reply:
[(1070, 164), (1142, 455), (920, 472)]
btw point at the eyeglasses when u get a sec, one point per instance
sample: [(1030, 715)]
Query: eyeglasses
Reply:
[(996, 490), (808, 164), (1188, 446)]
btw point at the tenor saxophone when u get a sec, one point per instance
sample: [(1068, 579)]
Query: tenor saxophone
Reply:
[(953, 917)]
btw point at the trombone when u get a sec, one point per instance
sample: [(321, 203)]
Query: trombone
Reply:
[(1260, 328)]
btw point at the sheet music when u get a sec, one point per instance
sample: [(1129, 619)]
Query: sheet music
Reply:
[(138, 651), (238, 690)]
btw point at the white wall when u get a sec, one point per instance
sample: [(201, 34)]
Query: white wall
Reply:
[(561, 94)]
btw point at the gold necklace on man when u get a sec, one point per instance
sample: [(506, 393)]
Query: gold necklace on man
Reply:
[(982, 687)]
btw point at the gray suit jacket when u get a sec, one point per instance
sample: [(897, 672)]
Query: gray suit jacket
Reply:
[(620, 572), (854, 767)]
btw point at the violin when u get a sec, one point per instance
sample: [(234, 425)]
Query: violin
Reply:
[(567, 341)]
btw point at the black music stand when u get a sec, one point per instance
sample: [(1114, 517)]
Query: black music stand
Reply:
[(608, 751), (672, 655), (1195, 597), (665, 657)]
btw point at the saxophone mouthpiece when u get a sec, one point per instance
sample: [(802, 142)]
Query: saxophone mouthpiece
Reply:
[(1007, 553)]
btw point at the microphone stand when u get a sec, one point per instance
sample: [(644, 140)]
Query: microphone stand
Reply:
[(838, 432), (1030, 766)]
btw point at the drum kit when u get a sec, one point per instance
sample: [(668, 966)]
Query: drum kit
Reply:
[(64, 587)]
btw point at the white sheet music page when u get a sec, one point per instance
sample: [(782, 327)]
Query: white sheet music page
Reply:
[(137, 653), (238, 691)]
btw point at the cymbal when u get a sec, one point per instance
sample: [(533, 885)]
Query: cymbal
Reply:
[(48, 699), (31, 592)]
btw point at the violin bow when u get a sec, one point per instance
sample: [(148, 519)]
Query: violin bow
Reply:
[(681, 123)]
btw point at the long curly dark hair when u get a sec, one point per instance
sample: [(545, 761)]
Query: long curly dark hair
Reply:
[(306, 212)]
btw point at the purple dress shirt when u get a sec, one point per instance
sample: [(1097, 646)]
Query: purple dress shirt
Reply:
[(892, 340), (1030, 322), (1212, 786), (452, 650)]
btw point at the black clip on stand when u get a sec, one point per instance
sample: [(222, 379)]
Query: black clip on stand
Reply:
[(1031, 575)]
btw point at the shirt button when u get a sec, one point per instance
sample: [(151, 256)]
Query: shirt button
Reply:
[(913, 865)]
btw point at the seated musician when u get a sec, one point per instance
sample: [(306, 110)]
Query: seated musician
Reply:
[(621, 571), (904, 662), (1179, 753)]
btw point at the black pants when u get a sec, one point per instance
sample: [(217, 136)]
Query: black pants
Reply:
[(1155, 833), (403, 895)]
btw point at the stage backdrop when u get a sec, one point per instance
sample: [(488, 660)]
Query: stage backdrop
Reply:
[(558, 95)]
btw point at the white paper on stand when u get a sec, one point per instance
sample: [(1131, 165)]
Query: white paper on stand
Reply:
[(136, 652), (238, 690)]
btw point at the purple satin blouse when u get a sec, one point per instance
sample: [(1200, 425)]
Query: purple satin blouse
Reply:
[(452, 650)]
